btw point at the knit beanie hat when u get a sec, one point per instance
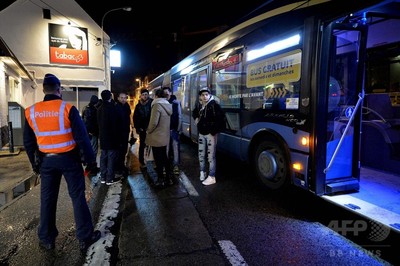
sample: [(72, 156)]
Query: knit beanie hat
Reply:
[(94, 99), (51, 79), (106, 95)]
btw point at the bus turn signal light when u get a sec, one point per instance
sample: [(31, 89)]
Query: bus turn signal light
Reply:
[(297, 166)]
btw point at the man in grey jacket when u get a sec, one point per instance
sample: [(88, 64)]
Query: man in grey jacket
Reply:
[(158, 134)]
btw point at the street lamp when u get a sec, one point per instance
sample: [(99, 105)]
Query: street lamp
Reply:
[(126, 8), (140, 82)]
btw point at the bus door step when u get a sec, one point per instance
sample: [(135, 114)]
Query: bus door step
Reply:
[(342, 186)]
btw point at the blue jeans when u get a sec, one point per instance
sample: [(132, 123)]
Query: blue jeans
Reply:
[(51, 170), (108, 160), (207, 150), (94, 141), (174, 148)]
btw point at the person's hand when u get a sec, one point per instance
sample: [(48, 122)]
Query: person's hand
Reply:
[(36, 169), (37, 163), (132, 140), (91, 168)]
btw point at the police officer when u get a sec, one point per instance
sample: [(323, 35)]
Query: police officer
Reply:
[(54, 135)]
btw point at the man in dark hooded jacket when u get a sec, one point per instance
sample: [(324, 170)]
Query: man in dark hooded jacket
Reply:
[(176, 128), (89, 116), (141, 118), (109, 135), (210, 120), (124, 111)]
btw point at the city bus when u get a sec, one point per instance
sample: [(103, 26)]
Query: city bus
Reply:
[(298, 84)]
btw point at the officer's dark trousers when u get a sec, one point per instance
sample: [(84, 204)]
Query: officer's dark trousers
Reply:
[(51, 170)]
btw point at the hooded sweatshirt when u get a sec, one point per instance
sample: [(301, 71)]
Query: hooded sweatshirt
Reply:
[(89, 116), (210, 117), (176, 114)]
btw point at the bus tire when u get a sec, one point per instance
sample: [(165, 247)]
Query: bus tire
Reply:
[(271, 165)]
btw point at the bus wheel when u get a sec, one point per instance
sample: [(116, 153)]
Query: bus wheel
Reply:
[(271, 165)]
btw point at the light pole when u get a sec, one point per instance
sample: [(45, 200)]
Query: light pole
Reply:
[(103, 44)]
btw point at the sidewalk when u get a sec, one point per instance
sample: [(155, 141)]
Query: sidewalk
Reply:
[(19, 222), (177, 233), (16, 175), (19, 216)]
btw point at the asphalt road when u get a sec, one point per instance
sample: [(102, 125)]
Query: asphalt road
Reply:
[(234, 222)]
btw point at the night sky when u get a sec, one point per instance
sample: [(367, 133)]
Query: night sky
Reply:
[(153, 37)]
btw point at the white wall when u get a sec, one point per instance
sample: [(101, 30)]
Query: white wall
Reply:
[(25, 31), (3, 101)]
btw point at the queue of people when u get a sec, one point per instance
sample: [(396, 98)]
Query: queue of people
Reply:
[(62, 143), (114, 133), (158, 124)]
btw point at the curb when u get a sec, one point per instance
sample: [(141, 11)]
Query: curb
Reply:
[(10, 194), (6, 152)]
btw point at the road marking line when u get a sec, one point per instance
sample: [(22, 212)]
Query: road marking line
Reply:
[(97, 253), (188, 185), (231, 253)]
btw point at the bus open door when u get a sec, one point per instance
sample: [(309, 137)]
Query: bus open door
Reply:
[(341, 94)]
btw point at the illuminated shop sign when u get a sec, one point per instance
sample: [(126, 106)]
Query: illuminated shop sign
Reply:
[(68, 45)]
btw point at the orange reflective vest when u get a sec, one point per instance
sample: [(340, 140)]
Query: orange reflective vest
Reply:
[(50, 122)]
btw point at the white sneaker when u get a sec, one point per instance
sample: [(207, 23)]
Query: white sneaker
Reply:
[(202, 176), (209, 181)]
